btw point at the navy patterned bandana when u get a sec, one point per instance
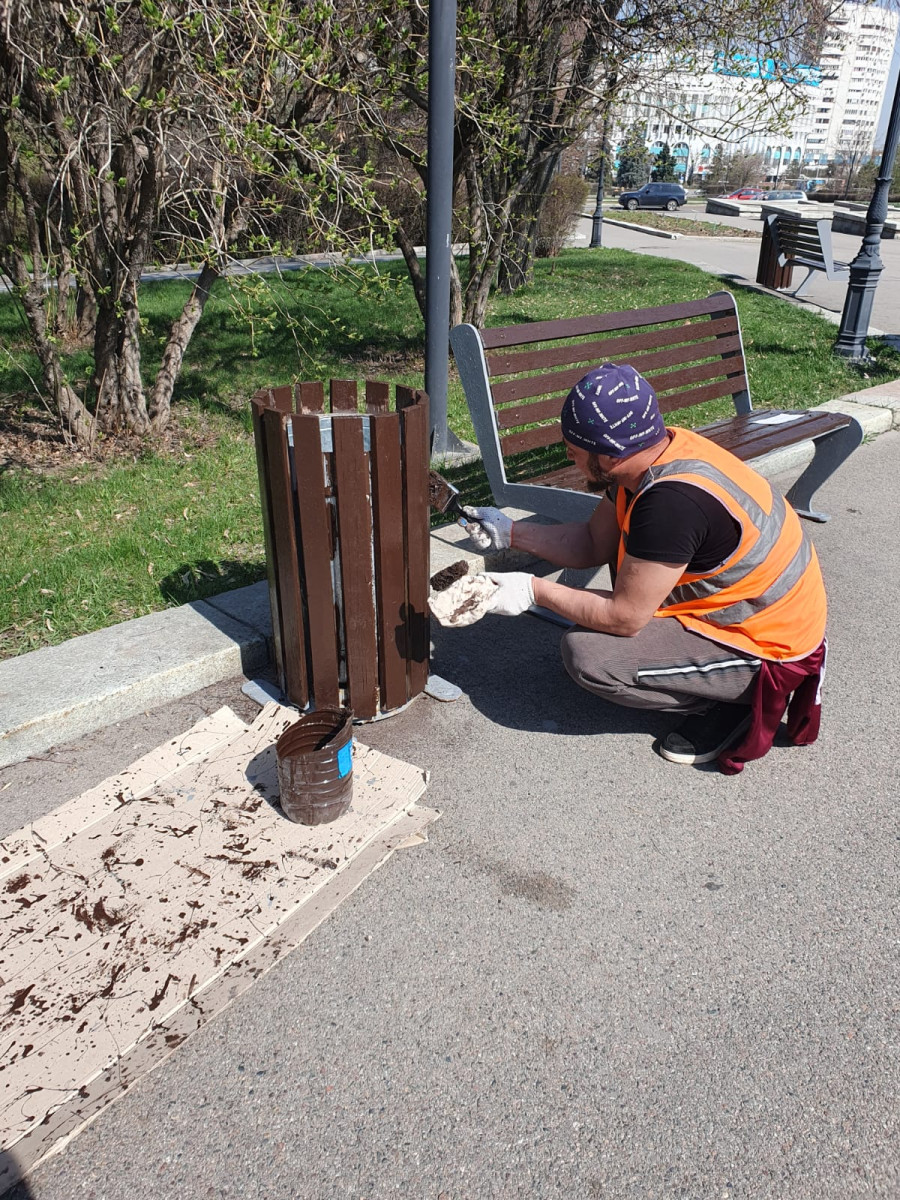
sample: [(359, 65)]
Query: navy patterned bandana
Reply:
[(612, 411)]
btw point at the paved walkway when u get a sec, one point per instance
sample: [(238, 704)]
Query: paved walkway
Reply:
[(61, 692), (604, 976), (737, 258)]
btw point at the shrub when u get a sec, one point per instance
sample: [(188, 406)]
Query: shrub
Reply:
[(566, 197)]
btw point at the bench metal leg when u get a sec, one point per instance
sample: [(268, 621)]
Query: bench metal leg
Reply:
[(830, 450), (805, 284)]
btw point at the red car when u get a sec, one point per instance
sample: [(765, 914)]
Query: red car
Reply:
[(747, 193)]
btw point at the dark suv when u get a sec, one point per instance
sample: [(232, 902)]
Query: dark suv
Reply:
[(655, 195)]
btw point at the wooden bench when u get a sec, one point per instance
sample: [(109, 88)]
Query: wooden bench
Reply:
[(516, 379), (804, 242)]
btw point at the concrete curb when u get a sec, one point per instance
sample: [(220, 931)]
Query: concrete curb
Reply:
[(62, 692), (663, 233), (637, 228)]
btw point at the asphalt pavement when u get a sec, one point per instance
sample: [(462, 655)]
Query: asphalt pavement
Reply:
[(603, 976), (735, 260)]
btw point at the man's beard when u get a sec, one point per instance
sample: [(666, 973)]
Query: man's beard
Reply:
[(598, 479)]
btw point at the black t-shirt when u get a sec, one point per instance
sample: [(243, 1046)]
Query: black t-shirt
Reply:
[(675, 522)]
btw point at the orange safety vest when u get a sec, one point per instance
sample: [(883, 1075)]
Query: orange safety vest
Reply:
[(768, 598)]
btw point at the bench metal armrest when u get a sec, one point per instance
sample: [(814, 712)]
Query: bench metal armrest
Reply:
[(468, 350)]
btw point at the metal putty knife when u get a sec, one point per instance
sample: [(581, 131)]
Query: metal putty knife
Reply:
[(443, 496)]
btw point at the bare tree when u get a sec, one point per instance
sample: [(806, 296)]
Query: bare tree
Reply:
[(532, 77), (126, 121)]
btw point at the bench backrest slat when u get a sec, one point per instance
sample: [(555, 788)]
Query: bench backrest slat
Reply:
[(548, 435), (650, 364), (803, 238), (517, 362), (571, 327), (690, 352)]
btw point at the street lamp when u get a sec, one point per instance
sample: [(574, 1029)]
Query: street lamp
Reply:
[(441, 107), (866, 268), (597, 226)]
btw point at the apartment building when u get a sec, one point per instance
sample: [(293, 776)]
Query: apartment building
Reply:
[(816, 115), (855, 62)]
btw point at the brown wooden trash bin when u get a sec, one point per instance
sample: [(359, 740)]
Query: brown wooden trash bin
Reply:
[(345, 509)]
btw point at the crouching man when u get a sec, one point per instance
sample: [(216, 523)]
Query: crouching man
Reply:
[(718, 606)]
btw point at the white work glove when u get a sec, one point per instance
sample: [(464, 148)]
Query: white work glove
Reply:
[(514, 594), (488, 528)]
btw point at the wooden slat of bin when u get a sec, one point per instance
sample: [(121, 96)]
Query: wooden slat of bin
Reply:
[(284, 540), (265, 499), (354, 510), (278, 398), (413, 408), (378, 396), (343, 395), (315, 539), (390, 571), (310, 397)]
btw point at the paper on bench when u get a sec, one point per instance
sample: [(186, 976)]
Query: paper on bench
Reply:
[(776, 419)]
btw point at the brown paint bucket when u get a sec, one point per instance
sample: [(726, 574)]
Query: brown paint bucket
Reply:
[(315, 766)]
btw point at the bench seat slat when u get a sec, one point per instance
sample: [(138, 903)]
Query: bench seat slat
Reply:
[(601, 351), (723, 433), (746, 438)]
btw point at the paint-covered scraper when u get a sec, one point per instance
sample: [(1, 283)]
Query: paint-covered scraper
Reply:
[(444, 497)]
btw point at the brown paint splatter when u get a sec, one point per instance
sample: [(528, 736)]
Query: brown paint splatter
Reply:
[(19, 998), (103, 918), (16, 885), (81, 914), (157, 997)]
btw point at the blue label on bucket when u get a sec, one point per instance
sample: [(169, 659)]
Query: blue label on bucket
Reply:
[(345, 759)]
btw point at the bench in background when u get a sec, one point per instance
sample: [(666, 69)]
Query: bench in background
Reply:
[(804, 242), (516, 379)]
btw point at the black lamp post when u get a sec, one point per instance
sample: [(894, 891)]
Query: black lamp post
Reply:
[(597, 226), (866, 268)]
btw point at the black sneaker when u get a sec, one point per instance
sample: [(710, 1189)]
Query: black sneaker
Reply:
[(701, 737)]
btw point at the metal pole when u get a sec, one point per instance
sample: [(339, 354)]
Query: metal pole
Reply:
[(597, 226), (866, 268), (441, 98)]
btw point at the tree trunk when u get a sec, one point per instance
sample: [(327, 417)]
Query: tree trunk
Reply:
[(481, 281), (121, 402), (74, 417), (517, 263), (173, 355), (456, 293), (413, 266)]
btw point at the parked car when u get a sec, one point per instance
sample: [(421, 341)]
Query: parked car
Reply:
[(784, 194), (655, 195), (746, 193)]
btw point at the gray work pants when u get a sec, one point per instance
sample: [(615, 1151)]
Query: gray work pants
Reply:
[(663, 667)]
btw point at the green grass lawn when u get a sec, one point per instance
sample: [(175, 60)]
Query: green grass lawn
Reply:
[(91, 544), (677, 224)]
